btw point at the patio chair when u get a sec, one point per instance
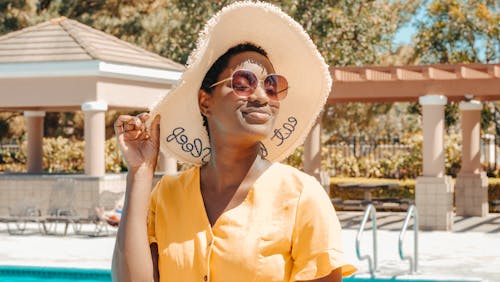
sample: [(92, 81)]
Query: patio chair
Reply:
[(20, 215), (61, 209), (107, 201)]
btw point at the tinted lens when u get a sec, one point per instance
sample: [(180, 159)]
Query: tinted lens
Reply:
[(244, 82), (276, 86)]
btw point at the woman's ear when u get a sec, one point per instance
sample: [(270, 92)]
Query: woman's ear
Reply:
[(204, 99)]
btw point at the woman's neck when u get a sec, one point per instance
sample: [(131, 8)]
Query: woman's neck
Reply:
[(229, 165)]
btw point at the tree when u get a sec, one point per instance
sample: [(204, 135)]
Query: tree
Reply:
[(458, 31), (347, 32)]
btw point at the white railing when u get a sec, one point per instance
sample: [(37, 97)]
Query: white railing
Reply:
[(412, 210), (372, 263)]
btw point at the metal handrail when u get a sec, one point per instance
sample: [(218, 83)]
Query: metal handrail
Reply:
[(373, 266), (413, 260)]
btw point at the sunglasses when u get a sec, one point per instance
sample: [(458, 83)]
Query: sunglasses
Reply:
[(244, 83)]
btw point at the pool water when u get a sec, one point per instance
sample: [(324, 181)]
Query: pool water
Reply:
[(51, 274)]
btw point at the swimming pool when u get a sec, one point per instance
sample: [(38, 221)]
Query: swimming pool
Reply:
[(52, 274)]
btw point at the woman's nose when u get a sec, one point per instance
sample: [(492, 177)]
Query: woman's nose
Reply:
[(259, 95)]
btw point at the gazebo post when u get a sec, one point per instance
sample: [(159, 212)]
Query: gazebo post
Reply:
[(471, 197), (34, 130), (94, 131), (434, 190), (312, 151)]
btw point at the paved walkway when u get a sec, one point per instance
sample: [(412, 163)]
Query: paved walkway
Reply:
[(471, 251)]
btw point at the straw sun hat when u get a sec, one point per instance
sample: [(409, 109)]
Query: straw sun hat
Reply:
[(293, 55)]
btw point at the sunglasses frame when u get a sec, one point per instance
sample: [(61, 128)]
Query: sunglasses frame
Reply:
[(276, 97)]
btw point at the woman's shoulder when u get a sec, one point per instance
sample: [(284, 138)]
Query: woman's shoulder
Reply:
[(293, 177), (285, 170)]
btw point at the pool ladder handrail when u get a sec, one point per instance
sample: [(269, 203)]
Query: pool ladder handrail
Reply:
[(412, 210), (373, 266)]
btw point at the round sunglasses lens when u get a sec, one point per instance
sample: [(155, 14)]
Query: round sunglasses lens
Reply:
[(276, 86), (244, 82)]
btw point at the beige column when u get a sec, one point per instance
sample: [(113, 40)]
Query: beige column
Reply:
[(312, 151), (94, 131), (166, 164), (433, 134), (434, 190), (471, 195), (34, 130)]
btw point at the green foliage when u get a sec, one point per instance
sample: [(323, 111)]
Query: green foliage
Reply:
[(347, 32), (114, 161), (295, 159), (61, 155), (457, 31), (406, 188), (398, 164)]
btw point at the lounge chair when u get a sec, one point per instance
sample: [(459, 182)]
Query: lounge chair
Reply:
[(107, 201), (61, 210), (20, 215)]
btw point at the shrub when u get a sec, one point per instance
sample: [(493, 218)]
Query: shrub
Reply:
[(61, 155)]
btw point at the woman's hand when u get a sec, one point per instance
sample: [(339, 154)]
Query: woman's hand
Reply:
[(138, 144)]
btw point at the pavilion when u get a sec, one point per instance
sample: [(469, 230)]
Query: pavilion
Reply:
[(62, 65), (432, 86)]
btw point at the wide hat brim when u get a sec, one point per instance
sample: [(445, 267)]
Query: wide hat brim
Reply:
[(292, 53)]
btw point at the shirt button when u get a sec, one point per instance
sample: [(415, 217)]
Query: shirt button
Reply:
[(205, 278)]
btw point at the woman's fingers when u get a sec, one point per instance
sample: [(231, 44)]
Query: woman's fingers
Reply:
[(126, 127), (120, 123), (143, 117), (133, 128)]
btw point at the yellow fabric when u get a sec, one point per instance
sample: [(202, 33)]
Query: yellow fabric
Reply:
[(285, 230)]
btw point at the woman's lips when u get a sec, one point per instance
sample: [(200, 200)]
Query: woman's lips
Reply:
[(256, 116)]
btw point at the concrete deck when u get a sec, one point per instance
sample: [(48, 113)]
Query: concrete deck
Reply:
[(471, 251)]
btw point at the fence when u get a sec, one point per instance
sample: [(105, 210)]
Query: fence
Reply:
[(372, 151)]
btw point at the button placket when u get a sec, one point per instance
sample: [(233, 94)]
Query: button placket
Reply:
[(210, 241)]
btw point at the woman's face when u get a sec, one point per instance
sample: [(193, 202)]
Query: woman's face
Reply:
[(248, 118)]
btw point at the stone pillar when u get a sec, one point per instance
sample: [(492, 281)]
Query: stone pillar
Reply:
[(471, 195), (166, 164), (94, 131), (312, 151), (34, 130), (489, 150), (434, 190)]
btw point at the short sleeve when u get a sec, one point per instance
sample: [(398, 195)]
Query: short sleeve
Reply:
[(316, 240), (152, 214)]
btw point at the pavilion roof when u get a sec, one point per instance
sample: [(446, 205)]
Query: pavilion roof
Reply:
[(408, 83), (63, 39)]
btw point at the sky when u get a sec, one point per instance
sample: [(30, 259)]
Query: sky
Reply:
[(404, 35)]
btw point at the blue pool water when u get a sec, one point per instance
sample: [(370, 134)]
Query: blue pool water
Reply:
[(51, 274)]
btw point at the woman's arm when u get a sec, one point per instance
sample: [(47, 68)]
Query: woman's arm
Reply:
[(132, 257)]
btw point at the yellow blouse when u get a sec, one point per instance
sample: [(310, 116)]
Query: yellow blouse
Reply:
[(286, 229)]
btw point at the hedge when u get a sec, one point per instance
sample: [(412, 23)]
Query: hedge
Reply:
[(406, 188)]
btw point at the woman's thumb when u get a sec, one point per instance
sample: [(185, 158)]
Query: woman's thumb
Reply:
[(155, 129)]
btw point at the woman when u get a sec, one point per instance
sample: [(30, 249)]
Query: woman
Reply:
[(258, 83)]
